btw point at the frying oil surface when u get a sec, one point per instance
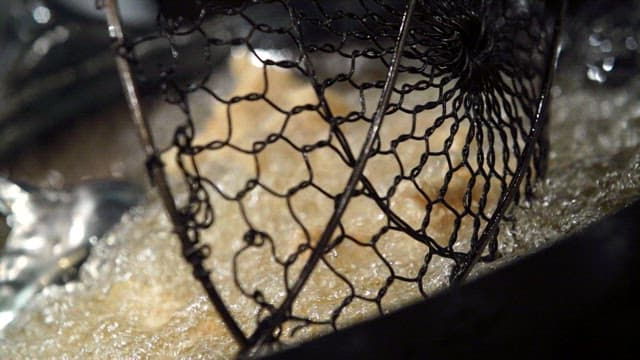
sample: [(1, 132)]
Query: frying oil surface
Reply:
[(137, 298)]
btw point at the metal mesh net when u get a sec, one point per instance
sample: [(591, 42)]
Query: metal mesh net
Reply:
[(360, 152)]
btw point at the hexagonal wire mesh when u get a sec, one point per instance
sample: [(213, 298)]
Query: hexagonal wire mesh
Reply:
[(359, 153)]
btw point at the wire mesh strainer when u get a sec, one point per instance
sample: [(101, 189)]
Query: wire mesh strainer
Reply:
[(361, 150)]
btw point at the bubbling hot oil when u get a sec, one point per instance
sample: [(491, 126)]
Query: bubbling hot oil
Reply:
[(136, 297)]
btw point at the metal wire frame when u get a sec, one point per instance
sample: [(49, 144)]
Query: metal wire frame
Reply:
[(195, 253), (460, 273)]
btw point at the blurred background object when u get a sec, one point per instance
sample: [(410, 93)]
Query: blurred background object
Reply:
[(57, 80), (55, 64), (60, 93), (51, 233), (611, 34)]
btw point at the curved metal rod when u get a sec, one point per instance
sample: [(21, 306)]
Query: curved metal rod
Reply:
[(159, 178), (491, 231), (268, 325)]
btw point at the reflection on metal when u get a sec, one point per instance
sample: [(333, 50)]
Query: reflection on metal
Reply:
[(51, 232)]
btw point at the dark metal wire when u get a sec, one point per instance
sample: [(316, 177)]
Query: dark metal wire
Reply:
[(491, 231), (264, 332), (491, 63), (194, 255)]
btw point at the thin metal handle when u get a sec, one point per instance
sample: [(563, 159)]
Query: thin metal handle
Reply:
[(158, 175)]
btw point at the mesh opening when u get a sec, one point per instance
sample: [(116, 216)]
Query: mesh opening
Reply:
[(359, 153)]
